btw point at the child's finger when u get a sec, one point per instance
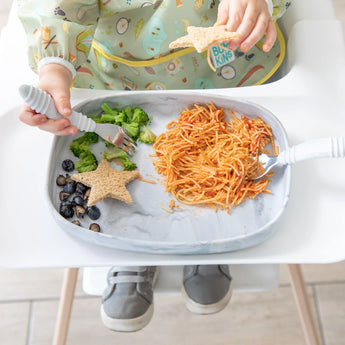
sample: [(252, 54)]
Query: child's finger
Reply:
[(271, 36), (256, 34), (223, 12), (29, 116), (62, 101), (236, 14), (248, 23), (70, 130), (235, 17), (56, 126)]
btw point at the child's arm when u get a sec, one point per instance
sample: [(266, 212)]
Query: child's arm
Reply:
[(251, 19), (59, 35), (55, 80)]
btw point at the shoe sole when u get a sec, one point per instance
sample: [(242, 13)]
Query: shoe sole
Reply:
[(198, 308), (129, 325)]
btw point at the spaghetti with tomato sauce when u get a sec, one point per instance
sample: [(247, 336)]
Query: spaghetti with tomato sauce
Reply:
[(208, 160)]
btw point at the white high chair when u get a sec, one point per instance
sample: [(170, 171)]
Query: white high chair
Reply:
[(246, 278), (253, 269)]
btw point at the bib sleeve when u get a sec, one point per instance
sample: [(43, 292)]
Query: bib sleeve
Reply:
[(59, 31)]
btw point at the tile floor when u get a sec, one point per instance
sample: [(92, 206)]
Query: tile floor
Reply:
[(29, 300)]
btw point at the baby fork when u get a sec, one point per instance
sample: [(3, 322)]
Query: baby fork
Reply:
[(333, 147), (43, 103)]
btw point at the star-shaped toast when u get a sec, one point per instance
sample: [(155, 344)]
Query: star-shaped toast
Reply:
[(107, 182), (202, 38)]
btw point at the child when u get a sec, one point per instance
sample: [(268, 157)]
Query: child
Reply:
[(124, 44)]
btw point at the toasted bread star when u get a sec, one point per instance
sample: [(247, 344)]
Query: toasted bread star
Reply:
[(202, 38), (107, 182)]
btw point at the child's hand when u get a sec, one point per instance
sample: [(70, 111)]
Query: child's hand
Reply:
[(251, 19), (55, 80)]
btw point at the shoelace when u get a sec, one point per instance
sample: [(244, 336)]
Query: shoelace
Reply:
[(130, 278)]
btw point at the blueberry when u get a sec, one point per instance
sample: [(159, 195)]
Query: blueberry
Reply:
[(93, 212), (87, 194), (80, 211), (66, 210), (67, 165), (78, 200), (63, 195), (81, 188), (66, 203), (95, 227), (69, 187), (61, 180)]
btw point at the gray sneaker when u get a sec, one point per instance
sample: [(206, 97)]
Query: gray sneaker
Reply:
[(206, 289), (127, 302)]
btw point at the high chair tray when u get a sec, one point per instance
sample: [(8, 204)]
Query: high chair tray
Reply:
[(147, 227)]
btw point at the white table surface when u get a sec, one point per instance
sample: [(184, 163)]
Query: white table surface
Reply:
[(308, 100)]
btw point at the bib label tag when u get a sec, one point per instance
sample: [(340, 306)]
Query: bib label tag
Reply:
[(221, 55)]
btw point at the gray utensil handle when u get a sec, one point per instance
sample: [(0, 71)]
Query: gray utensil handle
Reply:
[(43, 103)]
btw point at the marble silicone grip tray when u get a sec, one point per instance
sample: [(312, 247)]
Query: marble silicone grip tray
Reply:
[(145, 226)]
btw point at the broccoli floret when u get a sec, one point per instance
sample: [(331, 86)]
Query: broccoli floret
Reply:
[(116, 119), (108, 118), (147, 136), (81, 149), (78, 149), (113, 153), (82, 145), (116, 153), (140, 116), (88, 162), (120, 118), (108, 110), (132, 129), (127, 163), (97, 119), (87, 138), (128, 111), (107, 143)]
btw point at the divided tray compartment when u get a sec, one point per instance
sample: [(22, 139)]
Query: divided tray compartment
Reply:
[(145, 226)]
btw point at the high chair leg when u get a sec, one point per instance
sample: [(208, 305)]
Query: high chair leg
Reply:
[(310, 328), (65, 306)]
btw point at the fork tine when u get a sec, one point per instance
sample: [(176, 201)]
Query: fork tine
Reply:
[(129, 139), (129, 146), (128, 149)]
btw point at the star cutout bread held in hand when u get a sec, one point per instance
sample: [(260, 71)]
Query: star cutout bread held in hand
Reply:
[(202, 38), (107, 182)]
